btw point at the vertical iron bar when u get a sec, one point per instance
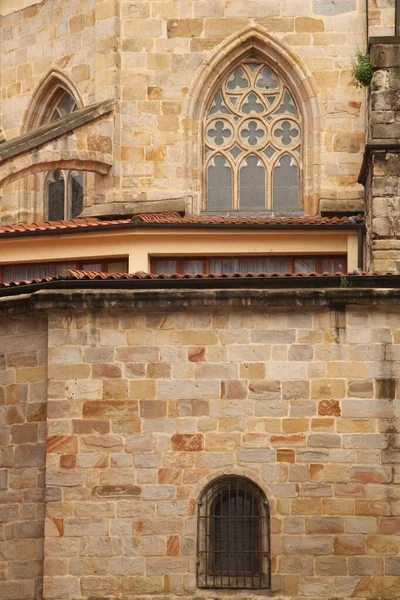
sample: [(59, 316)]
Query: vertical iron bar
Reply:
[(207, 530), (223, 540), (214, 539), (229, 532), (252, 557), (243, 527), (236, 531)]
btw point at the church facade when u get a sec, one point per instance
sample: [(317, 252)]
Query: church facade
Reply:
[(199, 300)]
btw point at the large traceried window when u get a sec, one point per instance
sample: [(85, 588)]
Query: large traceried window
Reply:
[(253, 143)]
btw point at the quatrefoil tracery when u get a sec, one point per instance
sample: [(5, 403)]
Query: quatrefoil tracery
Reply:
[(253, 113)]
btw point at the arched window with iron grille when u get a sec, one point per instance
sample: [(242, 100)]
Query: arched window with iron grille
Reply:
[(233, 535)]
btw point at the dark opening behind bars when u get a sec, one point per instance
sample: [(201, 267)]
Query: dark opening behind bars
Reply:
[(233, 549)]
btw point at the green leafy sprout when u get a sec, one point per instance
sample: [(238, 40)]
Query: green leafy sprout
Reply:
[(362, 70)]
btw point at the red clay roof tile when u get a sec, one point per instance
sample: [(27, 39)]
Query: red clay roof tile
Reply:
[(78, 275), (91, 223)]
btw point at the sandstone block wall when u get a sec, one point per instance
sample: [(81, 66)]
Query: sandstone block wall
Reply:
[(382, 161), (144, 410), (148, 56), (23, 396)]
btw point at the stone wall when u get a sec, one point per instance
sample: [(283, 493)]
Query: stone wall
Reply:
[(380, 173), (23, 395), (149, 55), (144, 409)]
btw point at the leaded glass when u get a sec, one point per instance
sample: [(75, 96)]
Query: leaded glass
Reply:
[(76, 193), (285, 183), (252, 183), (219, 183), (64, 195), (56, 197), (253, 140)]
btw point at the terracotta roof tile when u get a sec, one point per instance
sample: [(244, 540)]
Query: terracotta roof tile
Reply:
[(91, 223), (78, 275)]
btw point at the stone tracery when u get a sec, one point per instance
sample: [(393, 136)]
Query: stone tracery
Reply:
[(253, 140)]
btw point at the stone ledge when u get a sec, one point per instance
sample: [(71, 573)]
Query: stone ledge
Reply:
[(378, 145), (385, 52), (328, 206), (117, 209), (163, 299)]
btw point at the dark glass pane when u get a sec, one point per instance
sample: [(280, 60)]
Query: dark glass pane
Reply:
[(34, 271), (169, 267), (66, 105), (305, 265), (193, 266), (219, 184), (286, 184), (334, 265), (252, 184), (76, 194), (56, 195), (120, 266), (250, 264), (238, 80), (252, 104), (91, 266)]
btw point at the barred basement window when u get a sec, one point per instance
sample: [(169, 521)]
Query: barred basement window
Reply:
[(253, 142), (233, 546)]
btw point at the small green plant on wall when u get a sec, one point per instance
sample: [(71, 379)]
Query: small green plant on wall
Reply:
[(362, 70)]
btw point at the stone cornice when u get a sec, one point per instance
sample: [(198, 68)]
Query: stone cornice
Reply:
[(46, 301)]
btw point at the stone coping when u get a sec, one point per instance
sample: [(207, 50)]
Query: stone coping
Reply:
[(378, 145), (46, 301), (46, 133)]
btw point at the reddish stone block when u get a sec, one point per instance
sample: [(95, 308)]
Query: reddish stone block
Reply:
[(285, 455), (187, 442), (106, 370), (62, 444), (324, 525), (24, 434), (174, 545), (328, 408), (169, 475), (68, 461), (375, 508), (197, 353), (87, 426), (390, 526), (349, 544)]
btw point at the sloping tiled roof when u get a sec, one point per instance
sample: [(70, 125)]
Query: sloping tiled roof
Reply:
[(173, 218)]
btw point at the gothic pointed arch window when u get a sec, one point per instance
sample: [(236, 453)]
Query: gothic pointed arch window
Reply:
[(63, 189), (253, 142), (233, 538), (57, 195)]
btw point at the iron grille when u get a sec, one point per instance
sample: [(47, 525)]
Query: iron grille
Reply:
[(233, 548)]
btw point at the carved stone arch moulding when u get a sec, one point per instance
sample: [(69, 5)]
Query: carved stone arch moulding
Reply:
[(253, 476), (46, 97), (255, 40)]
